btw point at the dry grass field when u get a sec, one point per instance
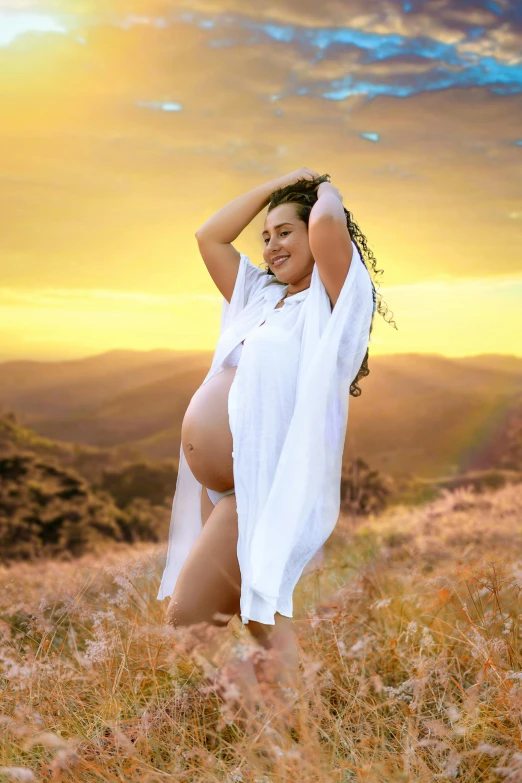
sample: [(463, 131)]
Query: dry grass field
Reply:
[(410, 662)]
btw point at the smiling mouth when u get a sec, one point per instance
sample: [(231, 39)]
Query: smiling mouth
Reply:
[(280, 261)]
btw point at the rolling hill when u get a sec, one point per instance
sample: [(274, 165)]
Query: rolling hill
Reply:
[(418, 413)]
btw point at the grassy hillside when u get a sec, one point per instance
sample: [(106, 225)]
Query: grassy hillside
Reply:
[(409, 642)]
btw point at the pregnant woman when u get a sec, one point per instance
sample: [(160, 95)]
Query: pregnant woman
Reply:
[(257, 492)]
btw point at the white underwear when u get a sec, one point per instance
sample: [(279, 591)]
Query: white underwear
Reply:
[(215, 496)]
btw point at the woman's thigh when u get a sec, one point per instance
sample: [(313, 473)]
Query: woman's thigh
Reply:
[(210, 579)]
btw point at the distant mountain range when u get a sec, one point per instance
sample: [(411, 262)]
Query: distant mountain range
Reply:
[(421, 414)]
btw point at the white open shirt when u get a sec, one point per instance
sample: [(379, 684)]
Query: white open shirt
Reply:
[(288, 413)]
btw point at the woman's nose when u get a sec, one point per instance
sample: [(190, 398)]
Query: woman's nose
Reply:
[(272, 245)]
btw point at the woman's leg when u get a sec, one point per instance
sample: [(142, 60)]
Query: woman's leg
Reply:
[(210, 583), (278, 672), (210, 580)]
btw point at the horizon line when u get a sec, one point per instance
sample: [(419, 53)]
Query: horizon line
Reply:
[(144, 351)]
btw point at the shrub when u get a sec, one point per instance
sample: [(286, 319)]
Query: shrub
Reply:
[(153, 481), (364, 490)]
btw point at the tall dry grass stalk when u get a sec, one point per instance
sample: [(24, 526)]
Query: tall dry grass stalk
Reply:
[(410, 663)]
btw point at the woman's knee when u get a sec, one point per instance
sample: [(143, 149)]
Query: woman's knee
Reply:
[(179, 615)]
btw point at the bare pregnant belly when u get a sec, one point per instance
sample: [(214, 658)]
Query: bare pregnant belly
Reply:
[(205, 433)]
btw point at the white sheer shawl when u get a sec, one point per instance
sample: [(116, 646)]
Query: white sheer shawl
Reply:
[(290, 518)]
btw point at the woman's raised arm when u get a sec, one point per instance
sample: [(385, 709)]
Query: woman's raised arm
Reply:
[(216, 235)]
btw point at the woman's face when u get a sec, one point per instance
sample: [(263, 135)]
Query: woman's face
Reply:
[(289, 239)]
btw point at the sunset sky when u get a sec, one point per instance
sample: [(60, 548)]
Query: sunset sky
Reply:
[(125, 125)]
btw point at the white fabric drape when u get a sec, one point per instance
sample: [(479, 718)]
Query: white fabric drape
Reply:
[(287, 466)]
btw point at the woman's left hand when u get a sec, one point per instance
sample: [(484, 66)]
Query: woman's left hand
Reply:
[(327, 187)]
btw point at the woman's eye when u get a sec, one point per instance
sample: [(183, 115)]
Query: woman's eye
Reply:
[(265, 240)]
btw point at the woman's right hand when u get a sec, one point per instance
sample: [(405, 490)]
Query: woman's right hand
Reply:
[(295, 176)]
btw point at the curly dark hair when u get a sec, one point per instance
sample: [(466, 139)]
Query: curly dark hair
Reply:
[(303, 194)]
